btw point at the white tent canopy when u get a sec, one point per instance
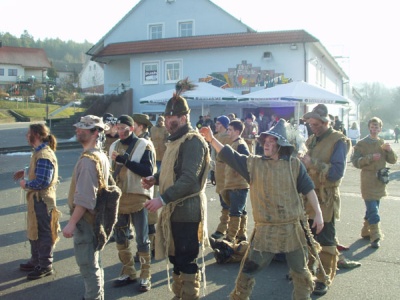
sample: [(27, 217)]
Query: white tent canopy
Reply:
[(298, 91), (204, 92)]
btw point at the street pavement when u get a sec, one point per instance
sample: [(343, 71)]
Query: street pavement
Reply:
[(377, 278)]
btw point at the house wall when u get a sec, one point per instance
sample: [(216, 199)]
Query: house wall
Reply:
[(208, 19), (92, 75), (200, 63), (10, 79), (296, 64)]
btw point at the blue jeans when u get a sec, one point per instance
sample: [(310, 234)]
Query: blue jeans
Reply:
[(223, 203), (158, 164), (238, 202), (372, 211), (88, 260), (42, 248), (140, 224)]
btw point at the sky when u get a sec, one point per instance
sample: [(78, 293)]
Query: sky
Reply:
[(364, 33)]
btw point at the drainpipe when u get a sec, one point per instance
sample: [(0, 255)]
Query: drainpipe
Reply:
[(305, 62)]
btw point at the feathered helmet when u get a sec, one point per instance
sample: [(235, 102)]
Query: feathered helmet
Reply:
[(177, 105)]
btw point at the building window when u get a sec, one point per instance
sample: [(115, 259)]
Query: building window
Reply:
[(173, 71), (12, 72), (186, 28), (150, 72), (1, 72), (155, 31)]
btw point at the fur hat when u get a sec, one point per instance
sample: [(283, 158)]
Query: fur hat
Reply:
[(142, 119), (125, 119), (91, 121), (278, 131), (224, 120), (319, 112)]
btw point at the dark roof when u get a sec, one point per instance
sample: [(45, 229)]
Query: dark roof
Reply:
[(33, 58), (206, 42)]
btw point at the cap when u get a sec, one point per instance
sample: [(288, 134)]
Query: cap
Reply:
[(319, 112), (91, 121), (109, 119), (125, 119), (224, 120)]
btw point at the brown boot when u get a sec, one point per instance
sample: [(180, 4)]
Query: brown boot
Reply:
[(242, 233), (303, 285), (375, 235), (177, 286), (329, 257), (128, 272), (233, 228), (243, 288), (145, 276), (365, 230), (223, 225), (190, 286)]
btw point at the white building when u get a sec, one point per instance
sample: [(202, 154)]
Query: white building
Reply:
[(91, 78), (19, 66), (159, 42)]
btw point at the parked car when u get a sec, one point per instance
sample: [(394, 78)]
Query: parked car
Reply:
[(387, 134)]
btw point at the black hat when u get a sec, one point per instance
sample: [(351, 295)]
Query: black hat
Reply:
[(278, 131), (109, 119), (125, 119)]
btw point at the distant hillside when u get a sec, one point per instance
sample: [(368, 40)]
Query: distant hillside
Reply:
[(57, 50)]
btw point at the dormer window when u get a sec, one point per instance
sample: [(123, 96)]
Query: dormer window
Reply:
[(186, 28), (156, 31)]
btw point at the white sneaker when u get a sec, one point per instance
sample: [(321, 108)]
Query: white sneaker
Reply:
[(145, 285)]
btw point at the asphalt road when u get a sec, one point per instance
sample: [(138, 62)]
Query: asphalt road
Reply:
[(375, 279)]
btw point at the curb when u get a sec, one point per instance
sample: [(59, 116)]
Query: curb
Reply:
[(60, 146)]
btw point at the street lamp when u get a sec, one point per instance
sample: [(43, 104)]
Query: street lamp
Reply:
[(47, 97)]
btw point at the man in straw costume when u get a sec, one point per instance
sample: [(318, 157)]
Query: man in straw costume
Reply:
[(278, 214), (131, 159), (82, 201), (325, 161), (182, 180), (43, 216), (371, 155)]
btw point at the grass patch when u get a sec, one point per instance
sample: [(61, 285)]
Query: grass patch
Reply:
[(37, 110)]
